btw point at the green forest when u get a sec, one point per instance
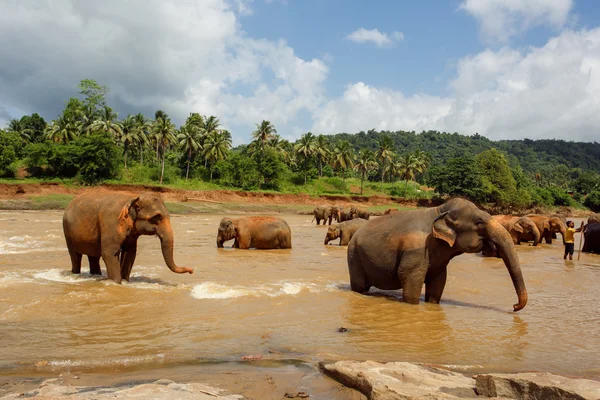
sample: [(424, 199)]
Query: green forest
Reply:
[(88, 144)]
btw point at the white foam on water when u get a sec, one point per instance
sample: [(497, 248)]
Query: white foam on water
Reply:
[(212, 290), (28, 244), (66, 276), (119, 361), (13, 278)]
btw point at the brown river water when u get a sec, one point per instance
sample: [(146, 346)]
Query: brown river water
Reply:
[(282, 304)]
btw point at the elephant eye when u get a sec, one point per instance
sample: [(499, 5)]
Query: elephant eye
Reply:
[(479, 223), (156, 219)]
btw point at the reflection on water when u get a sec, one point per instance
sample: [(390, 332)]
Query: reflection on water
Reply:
[(283, 304)]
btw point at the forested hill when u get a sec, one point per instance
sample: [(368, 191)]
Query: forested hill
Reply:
[(533, 155)]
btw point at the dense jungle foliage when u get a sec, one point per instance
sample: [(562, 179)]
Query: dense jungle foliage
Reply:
[(88, 143)]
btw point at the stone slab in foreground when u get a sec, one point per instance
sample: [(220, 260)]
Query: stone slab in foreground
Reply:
[(162, 389), (402, 380)]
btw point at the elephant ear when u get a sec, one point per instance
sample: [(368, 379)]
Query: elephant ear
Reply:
[(126, 223), (443, 229), (547, 225), (517, 227)]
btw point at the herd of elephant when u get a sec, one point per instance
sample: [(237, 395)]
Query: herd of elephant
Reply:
[(399, 250)]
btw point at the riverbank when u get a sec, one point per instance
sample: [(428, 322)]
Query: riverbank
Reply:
[(352, 380), (56, 196)]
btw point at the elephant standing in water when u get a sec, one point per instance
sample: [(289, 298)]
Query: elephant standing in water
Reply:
[(325, 213), (518, 226), (347, 215), (406, 250), (364, 214), (106, 224), (546, 225), (344, 231), (255, 232), (592, 239)]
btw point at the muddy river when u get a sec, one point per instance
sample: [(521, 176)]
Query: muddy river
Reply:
[(283, 305)]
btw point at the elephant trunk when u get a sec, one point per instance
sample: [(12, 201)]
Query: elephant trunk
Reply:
[(536, 235), (563, 232), (220, 242), (326, 240), (508, 252), (166, 243)]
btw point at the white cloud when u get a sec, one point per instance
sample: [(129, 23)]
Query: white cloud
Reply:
[(547, 92), (180, 56), (381, 39), (502, 19)]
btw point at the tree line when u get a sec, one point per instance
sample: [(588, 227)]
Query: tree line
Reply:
[(88, 142)]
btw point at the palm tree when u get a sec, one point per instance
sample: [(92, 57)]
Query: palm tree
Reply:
[(306, 148), (407, 167), (211, 125), (189, 141), (343, 156), (144, 128), (130, 135), (107, 122), (216, 148), (263, 133), (384, 153), (323, 151), (164, 133), (423, 161), (63, 130), (364, 164), (16, 126)]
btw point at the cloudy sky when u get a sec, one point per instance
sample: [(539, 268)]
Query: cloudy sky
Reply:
[(507, 69)]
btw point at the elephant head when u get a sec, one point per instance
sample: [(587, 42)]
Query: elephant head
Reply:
[(333, 232), (555, 225), (525, 225), (226, 231), (353, 212), (147, 215), (335, 212), (465, 228)]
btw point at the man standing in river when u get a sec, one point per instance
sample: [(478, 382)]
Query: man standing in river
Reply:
[(570, 239)]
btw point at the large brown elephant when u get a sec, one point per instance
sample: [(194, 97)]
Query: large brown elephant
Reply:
[(325, 213), (362, 213), (106, 224), (546, 225), (347, 214), (592, 239), (344, 231), (406, 250), (518, 226), (255, 232)]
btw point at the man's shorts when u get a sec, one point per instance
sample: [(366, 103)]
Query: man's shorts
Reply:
[(569, 248)]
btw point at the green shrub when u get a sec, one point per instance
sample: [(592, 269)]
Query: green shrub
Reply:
[(10, 145), (337, 183), (592, 201), (561, 197), (170, 175)]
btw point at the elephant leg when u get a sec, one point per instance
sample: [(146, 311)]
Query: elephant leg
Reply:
[(94, 265), (242, 242), (127, 260), (411, 274), (75, 259), (329, 219), (435, 281), (344, 239), (110, 254)]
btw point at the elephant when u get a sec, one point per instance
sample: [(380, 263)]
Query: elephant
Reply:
[(517, 226), (592, 239), (594, 219), (325, 213), (391, 210), (406, 250), (344, 231), (364, 214), (347, 215), (106, 224), (255, 232), (546, 225)]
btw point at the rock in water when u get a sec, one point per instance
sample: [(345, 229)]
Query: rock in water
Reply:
[(400, 380), (533, 385), (162, 389)]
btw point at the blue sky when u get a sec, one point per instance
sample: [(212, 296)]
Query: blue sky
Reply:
[(506, 69)]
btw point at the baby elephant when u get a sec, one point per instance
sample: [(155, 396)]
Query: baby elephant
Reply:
[(344, 231), (255, 232)]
